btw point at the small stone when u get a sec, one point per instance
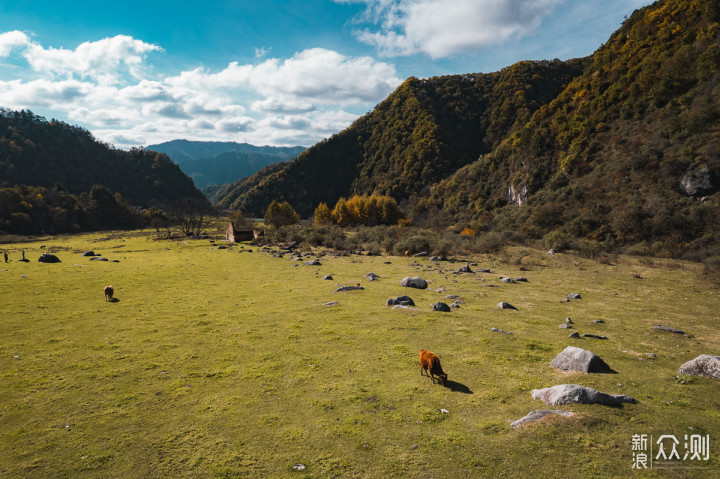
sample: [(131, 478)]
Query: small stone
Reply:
[(413, 446), (348, 288), (504, 305), (573, 296), (498, 330), (537, 415), (598, 321), (565, 326), (327, 277), (331, 303), (299, 467), (594, 336), (574, 335), (669, 329), (569, 321), (444, 411)]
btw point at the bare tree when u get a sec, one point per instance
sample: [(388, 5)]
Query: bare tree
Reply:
[(191, 215)]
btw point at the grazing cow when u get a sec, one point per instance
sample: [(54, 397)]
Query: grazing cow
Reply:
[(109, 291), (430, 362), (407, 253)]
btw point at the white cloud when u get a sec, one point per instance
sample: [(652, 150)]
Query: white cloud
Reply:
[(440, 28), (107, 86), (13, 40)]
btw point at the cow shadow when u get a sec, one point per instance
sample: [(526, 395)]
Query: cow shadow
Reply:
[(457, 387), (114, 300)]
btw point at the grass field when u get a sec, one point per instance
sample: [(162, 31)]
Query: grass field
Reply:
[(226, 363)]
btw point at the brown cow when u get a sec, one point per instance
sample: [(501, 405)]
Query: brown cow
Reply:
[(109, 291), (430, 362)]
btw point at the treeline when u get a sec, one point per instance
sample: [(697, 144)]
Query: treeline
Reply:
[(362, 210), (39, 210), (34, 151)]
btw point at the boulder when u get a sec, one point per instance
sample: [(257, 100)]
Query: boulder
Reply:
[(90, 253), (314, 262), (573, 296), (504, 305), (442, 307), (574, 393), (704, 365), (327, 277), (537, 415), (414, 282), (578, 359), (401, 300), (48, 258), (465, 269)]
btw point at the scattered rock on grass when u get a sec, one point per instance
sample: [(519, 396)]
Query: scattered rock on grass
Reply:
[(331, 303), (498, 330), (48, 258), (537, 415), (372, 277), (442, 307), (90, 253), (573, 296), (299, 467), (414, 282), (504, 305), (704, 365), (574, 335), (669, 330), (574, 393), (596, 336), (401, 300), (98, 258), (565, 326), (314, 262), (327, 277), (348, 288), (578, 359)]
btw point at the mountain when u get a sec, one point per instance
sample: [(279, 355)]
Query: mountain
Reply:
[(41, 153), (217, 163), (628, 153), (619, 148), (423, 132)]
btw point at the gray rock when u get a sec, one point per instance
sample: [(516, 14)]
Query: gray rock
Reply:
[(442, 307), (598, 321), (465, 269), (48, 258), (420, 254), (452, 296), (330, 303), (507, 280), (574, 393), (348, 288), (327, 277), (573, 296), (437, 258), (594, 336), (98, 258), (669, 329), (414, 282), (314, 262), (372, 277), (551, 252), (90, 253), (402, 306), (521, 279), (504, 305), (484, 270), (574, 335), (565, 326), (704, 365), (491, 285), (498, 330), (696, 179), (569, 321), (401, 300), (537, 415), (578, 359)]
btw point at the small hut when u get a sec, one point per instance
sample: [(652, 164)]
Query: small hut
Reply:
[(234, 235)]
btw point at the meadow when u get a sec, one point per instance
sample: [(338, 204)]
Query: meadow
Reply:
[(228, 363)]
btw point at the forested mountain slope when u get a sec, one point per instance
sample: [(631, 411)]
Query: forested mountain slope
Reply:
[(423, 132), (37, 152)]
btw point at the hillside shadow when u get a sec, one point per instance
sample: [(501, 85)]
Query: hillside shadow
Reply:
[(457, 387)]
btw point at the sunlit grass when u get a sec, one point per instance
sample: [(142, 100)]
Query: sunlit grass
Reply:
[(226, 363)]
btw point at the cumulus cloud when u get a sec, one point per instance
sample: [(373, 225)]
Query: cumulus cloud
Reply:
[(108, 87), (440, 28)]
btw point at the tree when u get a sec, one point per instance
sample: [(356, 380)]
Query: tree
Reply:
[(280, 214), (322, 215), (191, 215), (241, 222)]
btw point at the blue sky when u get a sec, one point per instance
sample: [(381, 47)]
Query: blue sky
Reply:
[(265, 72)]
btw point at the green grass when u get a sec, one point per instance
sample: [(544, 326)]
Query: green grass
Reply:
[(220, 363)]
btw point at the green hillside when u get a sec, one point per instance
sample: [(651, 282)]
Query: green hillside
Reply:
[(423, 132), (627, 153), (37, 152)]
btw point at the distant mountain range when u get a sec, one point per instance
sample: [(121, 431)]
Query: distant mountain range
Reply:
[(218, 163), (619, 148)]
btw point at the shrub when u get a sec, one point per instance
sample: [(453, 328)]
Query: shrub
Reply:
[(557, 240)]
